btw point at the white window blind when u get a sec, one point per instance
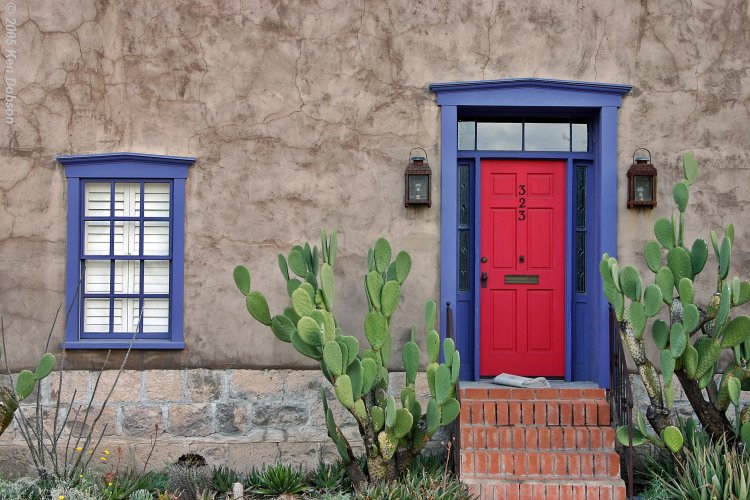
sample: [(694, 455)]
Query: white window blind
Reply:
[(120, 279)]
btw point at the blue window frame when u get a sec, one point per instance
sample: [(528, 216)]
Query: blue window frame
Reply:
[(125, 250)]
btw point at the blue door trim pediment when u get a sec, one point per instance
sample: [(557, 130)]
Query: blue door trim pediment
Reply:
[(531, 92)]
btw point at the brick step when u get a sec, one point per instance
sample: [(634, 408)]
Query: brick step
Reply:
[(499, 393), (540, 464), (485, 489), (520, 437), (550, 412)]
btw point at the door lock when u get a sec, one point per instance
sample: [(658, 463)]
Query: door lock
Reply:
[(521, 259), (484, 280), (484, 259)]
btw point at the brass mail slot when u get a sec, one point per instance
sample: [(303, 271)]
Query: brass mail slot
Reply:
[(521, 279)]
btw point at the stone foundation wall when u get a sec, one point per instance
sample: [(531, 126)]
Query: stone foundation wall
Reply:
[(241, 418)]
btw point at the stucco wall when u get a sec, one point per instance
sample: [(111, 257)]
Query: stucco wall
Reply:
[(301, 115)]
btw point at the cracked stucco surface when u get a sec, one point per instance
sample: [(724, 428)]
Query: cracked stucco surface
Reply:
[(302, 114)]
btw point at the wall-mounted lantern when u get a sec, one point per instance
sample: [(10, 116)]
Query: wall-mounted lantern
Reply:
[(417, 180), (641, 180)]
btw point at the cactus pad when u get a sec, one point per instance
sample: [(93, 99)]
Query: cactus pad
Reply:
[(332, 358), (44, 366), (376, 329), (443, 385), (242, 279), (652, 252), (25, 383), (410, 356), (679, 263), (390, 297), (403, 266), (672, 437), (344, 391), (302, 302), (374, 282), (257, 306), (664, 232), (736, 332), (432, 341), (630, 283), (660, 333), (450, 411)]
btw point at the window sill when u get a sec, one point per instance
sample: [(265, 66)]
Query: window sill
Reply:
[(123, 344)]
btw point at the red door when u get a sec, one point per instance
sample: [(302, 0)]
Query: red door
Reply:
[(522, 281)]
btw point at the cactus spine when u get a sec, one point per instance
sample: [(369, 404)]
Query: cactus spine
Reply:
[(393, 432), (693, 339)]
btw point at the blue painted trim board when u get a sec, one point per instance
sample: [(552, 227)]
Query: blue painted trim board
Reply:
[(600, 101), (111, 167)]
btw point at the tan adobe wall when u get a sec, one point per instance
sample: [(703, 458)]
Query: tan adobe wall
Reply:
[(301, 115)]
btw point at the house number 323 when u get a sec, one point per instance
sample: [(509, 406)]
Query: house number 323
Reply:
[(522, 202)]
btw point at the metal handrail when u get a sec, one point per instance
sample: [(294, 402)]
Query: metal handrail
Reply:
[(621, 396)]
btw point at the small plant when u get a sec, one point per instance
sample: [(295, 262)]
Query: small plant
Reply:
[(224, 478), (141, 495), (330, 478), (190, 476), (691, 336), (20, 488), (709, 469), (280, 479), (424, 483), (392, 433)]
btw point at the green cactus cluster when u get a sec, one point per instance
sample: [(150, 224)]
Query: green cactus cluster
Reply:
[(394, 432), (692, 337), (26, 382)]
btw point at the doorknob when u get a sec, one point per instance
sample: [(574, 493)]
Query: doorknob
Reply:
[(484, 280), (484, 259)]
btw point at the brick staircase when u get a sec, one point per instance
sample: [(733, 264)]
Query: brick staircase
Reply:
[(538, 443)]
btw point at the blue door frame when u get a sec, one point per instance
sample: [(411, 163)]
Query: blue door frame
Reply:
[(601, 102)]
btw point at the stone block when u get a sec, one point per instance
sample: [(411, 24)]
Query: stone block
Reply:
[(304, 385), (77, 381), (304, 455), (127, 387), (278, 415), (165, 385), (265, 435), (205, 385), (214, 453), (252, 385), (230, 418), (141, 421), (190, 420), (80, 424), (245, 456), (15, 461), (166, 452)]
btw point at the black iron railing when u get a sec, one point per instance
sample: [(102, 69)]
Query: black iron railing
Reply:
[(453, 429), (621, 397)]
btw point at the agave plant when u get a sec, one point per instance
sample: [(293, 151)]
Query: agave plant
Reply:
[(392, 434), (691, 337)]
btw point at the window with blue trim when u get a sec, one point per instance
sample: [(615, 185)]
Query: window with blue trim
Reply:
[(125, 250)]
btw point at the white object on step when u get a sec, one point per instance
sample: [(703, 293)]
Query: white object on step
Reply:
[(519, 381)]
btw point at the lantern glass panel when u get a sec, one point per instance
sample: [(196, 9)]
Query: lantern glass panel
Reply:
[(642, 188), (418, 188)]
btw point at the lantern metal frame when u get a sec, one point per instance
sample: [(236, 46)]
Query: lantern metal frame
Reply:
[(641, 168), (417, 166)]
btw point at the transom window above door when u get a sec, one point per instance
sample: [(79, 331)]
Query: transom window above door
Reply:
[(519, 134)]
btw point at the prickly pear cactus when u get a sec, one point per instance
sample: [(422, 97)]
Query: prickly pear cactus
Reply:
[(25, 385), (691, 337), (394, 432)]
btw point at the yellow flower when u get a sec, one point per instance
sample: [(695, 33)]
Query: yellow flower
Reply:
[(61, 497), (79, 448), (106, 452), (104, 459), (109, 484), (80, 475)]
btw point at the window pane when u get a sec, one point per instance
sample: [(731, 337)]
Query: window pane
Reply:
[(499, 136), (98, 197), (97, 276), (581, 197), (466, 135), (581, 262), (463, 195), (127, 199), (127, 276), (547, 137), (156, 276), (125, 315), (96, 238), (463, 260), (155, 315), (156, 199), (580, 137), (96, 315), (156, 238), (127, 234)]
